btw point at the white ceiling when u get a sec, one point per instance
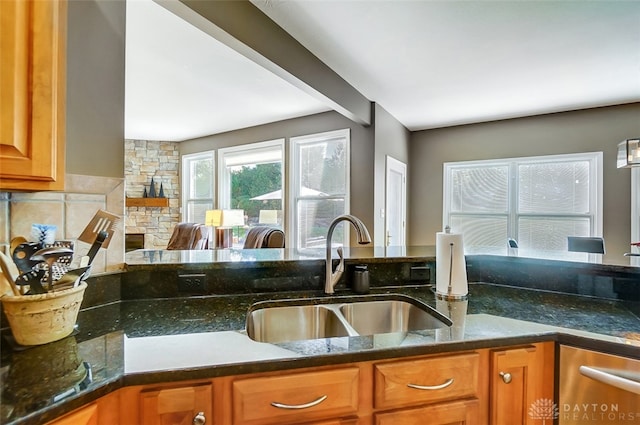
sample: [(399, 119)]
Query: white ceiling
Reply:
[(428, 63)]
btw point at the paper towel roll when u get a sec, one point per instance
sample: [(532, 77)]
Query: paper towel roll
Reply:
[(451, 269)]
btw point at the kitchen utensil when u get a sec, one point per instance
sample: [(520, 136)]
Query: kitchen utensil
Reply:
[(15, 242), (100, 241), (72, 278), (10, 272), (22, 256), (32, 278), (101, 221), (50, 255)]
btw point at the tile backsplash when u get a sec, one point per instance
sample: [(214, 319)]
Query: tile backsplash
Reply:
[(70, 211)]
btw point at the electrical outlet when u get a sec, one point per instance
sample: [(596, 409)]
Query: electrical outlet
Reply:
[(422, 273), (192, 283)]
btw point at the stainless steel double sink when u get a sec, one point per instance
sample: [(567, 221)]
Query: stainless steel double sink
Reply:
[(315, 318)]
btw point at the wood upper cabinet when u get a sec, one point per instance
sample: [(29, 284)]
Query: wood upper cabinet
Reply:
[(520, 379), (32, 94), (176, 406)]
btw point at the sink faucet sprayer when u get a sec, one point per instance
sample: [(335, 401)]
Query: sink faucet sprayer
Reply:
[(331, 277)]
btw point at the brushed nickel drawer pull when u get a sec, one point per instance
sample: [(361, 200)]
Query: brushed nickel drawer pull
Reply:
[(299, 406), (611, 379), (431, 387)]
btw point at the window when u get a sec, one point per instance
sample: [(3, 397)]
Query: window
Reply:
[(197, 185), (319, 187), (538, 201), (251, 178)]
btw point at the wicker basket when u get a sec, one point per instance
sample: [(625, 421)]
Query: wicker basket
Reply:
[(40, 319)]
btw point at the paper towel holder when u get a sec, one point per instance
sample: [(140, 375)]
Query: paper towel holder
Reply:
[(449, 295)]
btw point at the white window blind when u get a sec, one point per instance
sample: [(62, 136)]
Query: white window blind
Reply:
[(538, 201)]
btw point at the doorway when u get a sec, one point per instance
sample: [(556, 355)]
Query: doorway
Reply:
[(395, 202)]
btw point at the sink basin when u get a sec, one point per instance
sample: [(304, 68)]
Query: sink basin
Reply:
[(316, 318), (387, 316), (292, 323)]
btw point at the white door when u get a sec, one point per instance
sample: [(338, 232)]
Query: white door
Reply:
[(396, 202), (635, 216)]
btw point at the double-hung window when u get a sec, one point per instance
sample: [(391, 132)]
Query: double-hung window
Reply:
[(251, 178), (538, 201), (197, 185), (319, 187)]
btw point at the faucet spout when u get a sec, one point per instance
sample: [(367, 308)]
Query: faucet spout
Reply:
[(332, 277)]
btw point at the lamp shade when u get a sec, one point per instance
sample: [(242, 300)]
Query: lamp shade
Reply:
[(268, 217), (213, 218), (224, 218), (628, 153), (232, 218)]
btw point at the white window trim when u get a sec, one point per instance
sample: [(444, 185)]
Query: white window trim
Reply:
[(185, 178), (595, 199), (294, 166), (224, 177)]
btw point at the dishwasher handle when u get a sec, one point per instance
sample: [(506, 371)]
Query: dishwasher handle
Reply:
[(611, 379)]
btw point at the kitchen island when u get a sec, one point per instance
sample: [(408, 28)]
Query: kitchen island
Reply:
[(151, 340)]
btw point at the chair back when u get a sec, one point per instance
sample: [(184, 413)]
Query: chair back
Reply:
[(593, 245), (189, 236), (264, 237)]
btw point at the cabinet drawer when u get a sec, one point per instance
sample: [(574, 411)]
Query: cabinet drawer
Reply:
[(464, 412), (296, 398), (175, 405), (410, 382)]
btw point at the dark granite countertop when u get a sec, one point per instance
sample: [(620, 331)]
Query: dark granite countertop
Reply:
[(150, 341)]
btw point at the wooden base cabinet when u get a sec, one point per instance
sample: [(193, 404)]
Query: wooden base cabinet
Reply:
[(294, 398), (104, 411), (481, 387), (521, 380), (176, 406), (463, 412)]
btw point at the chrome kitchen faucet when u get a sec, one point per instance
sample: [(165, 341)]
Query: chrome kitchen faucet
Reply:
[(332, 277)]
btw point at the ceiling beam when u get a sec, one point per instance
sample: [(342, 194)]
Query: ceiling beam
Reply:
[(244, 28)]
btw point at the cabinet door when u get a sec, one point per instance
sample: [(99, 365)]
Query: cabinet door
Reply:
[(520, 377), (175, 406), (87, 415), (32, 94), (463, 412)]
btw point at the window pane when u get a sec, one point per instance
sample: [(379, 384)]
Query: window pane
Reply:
[(555, 187), (202, 178), (550, 233), (322, 168), (480, 189), (481, 231), (314, 218), (256, 188), (196, 210)]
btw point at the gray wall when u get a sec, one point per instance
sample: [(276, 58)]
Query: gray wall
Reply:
[(391, 138), (591, 130), (362, 150), (95, 88)]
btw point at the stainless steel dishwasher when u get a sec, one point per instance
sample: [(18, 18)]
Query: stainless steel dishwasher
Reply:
[(597, 388)]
